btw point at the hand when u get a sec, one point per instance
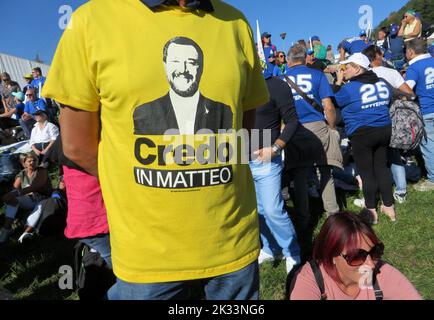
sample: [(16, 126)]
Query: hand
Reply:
[(265, 155), (271, 59), (26, 116), (43, 152), (331, 69), (340, 77), (37, 152)]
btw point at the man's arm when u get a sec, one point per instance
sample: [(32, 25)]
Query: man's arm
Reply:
[(342, 54), (406, 88), (80, 137), (330, 112)]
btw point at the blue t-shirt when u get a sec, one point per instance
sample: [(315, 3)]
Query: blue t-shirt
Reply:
[(364, 105), (32, 107), (355, 46), (314, 83), (269, 52), (277, 72), (396, 48), (35, 84), (422, 72)]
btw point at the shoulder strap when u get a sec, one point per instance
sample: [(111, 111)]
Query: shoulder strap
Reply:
[(377, 290), (304, 95), (318, 278)]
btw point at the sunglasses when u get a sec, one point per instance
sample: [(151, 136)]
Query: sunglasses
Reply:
[(29, 95), (359, 257), (281, 56)]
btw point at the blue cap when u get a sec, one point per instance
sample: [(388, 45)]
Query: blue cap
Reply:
[(362, 33), (315, 38), (310, 52), (265, 35)]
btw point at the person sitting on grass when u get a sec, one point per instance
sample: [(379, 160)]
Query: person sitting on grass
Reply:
[(347, 265), (49, 216), (31, 186)]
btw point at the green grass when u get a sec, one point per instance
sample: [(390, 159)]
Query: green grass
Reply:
[(31, 271)]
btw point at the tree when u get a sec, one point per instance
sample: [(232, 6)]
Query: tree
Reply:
[(424, 7)]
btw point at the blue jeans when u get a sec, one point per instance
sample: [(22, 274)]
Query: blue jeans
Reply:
[(27, 126), (398, 171), (100, 243), (427, 146), (239, 285), (276, 229)]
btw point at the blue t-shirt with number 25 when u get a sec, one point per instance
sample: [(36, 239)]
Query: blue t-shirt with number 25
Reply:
[(422, 74), (314, 83), (364, 105)]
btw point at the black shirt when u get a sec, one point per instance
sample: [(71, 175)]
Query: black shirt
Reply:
[(280, 108)]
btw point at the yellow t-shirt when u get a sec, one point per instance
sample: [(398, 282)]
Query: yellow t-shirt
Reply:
[(169, 220)]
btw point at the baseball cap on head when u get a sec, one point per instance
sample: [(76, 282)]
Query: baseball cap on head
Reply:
[(362, 33), (266, 35), (315, 38), (310, 52), (411, 12), (40, 113), (359, 59), (394, 30), (19, 95), (28, 76)]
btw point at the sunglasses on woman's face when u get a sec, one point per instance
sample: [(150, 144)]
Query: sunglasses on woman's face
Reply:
[(360, 256)]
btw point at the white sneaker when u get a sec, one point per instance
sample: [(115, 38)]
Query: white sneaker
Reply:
[(400, 197), (263, 256), (290, 263), (360, 203), (4, 235), (25, 236)]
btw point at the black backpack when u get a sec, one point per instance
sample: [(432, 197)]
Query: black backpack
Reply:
[(93, 277), (292, 276), (53, 217)]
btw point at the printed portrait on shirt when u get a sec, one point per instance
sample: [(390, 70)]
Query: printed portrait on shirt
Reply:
[(183, 109)]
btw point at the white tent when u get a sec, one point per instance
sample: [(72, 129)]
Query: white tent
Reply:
[(18, 67)]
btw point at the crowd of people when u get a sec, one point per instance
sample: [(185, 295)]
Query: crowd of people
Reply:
[(330, 125)]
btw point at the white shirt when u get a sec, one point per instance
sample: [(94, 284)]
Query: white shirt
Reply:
[(185, 111), (391, 75), (45, 135)]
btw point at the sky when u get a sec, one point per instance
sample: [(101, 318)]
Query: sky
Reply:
[(34, 29)]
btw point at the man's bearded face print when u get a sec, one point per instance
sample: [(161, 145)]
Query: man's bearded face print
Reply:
[(182, 69)]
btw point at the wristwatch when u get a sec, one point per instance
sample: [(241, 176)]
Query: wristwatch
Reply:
[(277, 149)]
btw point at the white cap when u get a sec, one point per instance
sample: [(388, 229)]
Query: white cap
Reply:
[(358, 58)]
